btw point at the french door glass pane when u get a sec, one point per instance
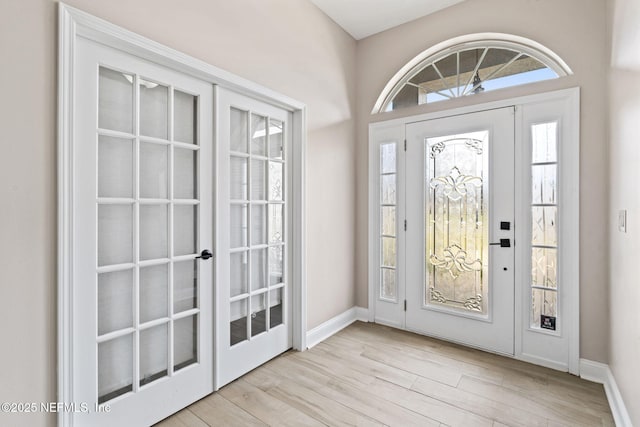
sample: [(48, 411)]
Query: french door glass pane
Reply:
[(276, 223), (276, 307), (185, 228), (238, 322), (154, 170), (238, 140), (184, 117), (185, 173), (115, 234), (154, 292), (276, 133), (115, 301), (185, 341), (456, 197), (258, 314), (154, 227), (185, 286), (239, 273), (154, 344), (115, 367), (154, 109), (115, 167), (276, 181), (258, 268), (115, 98), (258, 180), (259, 224), (258, 135), (239, 180), (238, 226), (276, 265)]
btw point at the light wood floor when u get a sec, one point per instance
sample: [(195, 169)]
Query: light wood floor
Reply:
[(370, 375)]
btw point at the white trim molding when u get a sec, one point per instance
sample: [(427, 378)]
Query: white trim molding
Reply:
[(334, 325), (601, 373)]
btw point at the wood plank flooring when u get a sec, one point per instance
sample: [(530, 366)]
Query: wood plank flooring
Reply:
[(372, 375)]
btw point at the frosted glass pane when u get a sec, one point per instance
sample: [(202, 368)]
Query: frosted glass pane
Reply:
[(185, 174), (258, 180), (275, 307), (258, 224), (276, 265), (238, 322), (276, 181), (115, 167), (238, 140), (184, 117), (544, 267), (154, 292), (115, 101), (389, 251), (115, 234), (185, 286), (185, 229), (388, 158), (238, 226), (185, 341), (544, 142), (258, 314), (258, 269), (388, 220), (115, 301), (543, 225), (238, 178), (239, 273), (154, 109), (388, 189), (276, 223), (153, 232), (276, 146), (258, 135), (388, 287), (543, 303), (115, 368), (154, 170), (543, 184), (154, 348)]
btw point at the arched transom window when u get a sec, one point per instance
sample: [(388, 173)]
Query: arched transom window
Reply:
[(469, 65)]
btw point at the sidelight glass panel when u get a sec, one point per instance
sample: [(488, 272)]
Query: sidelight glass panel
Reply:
[(544, 303), (389, 286), (154, 351), (115, 234), (258, 314), (544, 267), (388, 220), (258, 269), (456, 207), (185, 123), (154, 170), (543, 225), (115, 368), (239, 273), (185, 229), (389, 189), (154, 109), (258, 135), (185, 173), (388, 251), (115, 167), (258, 224), (115, 100), (115, 301), (185, 286), (185, 342), (543, 184), (154, 231), (238, 322), (154, 292), (544, 138), (239, 181), (276, 134), (388, 158), (276, 311), (388, 179), (238, 226)]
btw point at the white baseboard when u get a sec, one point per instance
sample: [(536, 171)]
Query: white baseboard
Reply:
[(336, 324), (601, 373)]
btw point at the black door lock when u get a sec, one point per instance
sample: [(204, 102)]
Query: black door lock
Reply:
[(205, 254), (504, 243), (505, 225)]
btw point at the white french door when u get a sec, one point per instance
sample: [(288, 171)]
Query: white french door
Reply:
[(142, 215), (460, 229), (253, 297)]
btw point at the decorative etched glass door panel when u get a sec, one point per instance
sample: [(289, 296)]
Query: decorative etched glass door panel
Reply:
[(144, 304), (460, 226), (456, 202)]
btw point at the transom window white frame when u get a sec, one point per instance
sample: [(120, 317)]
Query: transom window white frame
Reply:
[(75, 24), (471, 41)]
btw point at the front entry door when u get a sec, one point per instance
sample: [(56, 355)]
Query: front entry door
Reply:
[(142, 208), (460, 229)]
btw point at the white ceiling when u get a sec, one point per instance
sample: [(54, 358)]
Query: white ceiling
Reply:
[(362, 18)]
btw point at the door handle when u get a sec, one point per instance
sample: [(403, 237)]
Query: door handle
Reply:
[(205, 254), (503, 243)]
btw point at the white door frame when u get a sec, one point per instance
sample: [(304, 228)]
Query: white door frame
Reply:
[(73, 24), (394, 130)]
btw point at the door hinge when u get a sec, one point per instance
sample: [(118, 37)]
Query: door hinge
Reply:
[(405, 225), (405, 145), (405, 305)]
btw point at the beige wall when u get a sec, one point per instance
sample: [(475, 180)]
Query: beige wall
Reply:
[(574, 29), (286, 45), (624, 159)]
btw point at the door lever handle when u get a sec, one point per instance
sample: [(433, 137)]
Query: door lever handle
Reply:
[(503, 243), (205, 254)]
